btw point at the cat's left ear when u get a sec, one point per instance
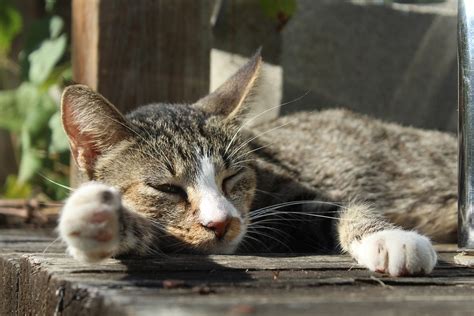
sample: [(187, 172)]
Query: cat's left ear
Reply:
[(92, 124), (230, 98)]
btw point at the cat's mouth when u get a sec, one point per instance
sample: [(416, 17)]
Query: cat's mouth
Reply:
[(197, 238)]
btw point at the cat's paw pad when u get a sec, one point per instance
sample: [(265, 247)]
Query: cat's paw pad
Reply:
[(395, 252), (89, 222)]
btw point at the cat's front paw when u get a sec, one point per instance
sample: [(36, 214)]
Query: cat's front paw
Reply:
[(89, 222), (395, 252)]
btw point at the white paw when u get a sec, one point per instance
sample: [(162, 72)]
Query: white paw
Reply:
[(89, 222), (395, 252)]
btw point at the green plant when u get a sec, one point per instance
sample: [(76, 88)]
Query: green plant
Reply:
[(30, 112), (279, 10)]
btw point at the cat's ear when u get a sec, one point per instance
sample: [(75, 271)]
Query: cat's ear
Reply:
[(229, 99), (92, 124)]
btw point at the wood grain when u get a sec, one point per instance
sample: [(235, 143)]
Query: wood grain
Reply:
[(42, 282), (144, 52)]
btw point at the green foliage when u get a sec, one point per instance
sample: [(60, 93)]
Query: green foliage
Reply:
[(10, 25), (31, 111), (277, 8), (48, 54), (418, 1), (59, 142), (14, 188)]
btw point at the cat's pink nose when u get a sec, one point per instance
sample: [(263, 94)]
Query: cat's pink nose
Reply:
[(219, 227)]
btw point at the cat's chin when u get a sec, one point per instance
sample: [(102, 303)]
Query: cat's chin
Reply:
[(217, 247), (229, 247), (208, 244), (209, 247), (220, 247)]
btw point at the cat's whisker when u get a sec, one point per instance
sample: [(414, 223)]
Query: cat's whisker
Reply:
[(50, 244), (153, 251), (303, 202), (279, 221), (242, 163), (56, 183), (162, 154), (157, 225), (126, 126), (291, 203), (250, 231), (269, 194), (241, 166), (272, 229), (260, 114), (156, 252), (248, 236), (161, 229), (276, 211), (307, 214), (253, 150), (257, 136), (244, 246), (153, 157)]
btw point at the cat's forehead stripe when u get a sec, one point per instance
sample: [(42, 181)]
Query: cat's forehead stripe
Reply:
[(214, 207)]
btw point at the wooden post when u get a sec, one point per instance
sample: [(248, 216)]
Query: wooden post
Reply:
[(142, 51)]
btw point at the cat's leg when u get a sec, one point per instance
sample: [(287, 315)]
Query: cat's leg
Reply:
[(383, 247), (95, 225)]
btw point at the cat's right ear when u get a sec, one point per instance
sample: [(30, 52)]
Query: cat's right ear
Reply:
[(229, 99), (92, 124)]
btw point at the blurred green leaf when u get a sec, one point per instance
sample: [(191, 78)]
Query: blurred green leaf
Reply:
[(39, 31), (31, 161), (10, 25), (59, 74), (37, 118), (49, 5), (276, 9), (59, 141), (26, 98), (13, 189), (43, 60), (56, 25), (30, 112), (11, 117)]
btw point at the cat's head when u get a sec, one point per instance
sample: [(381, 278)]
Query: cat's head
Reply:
[(185, 167)]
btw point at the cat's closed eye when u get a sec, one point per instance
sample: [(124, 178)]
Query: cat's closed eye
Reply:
[(169, 189), (230, 181)]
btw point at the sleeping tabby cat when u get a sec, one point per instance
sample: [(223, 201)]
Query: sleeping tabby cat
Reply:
[(194, 178)]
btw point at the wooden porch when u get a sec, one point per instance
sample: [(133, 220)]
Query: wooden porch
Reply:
[(38, 278)]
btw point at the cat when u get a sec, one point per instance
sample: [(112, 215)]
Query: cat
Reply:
[(194, 178)]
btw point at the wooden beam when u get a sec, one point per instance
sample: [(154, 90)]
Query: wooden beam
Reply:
[(142, 51)]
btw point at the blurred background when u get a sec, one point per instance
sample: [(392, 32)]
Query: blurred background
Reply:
[(395, 60)]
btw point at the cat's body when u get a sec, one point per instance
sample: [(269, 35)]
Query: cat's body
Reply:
[(408, 175), (193, 178)]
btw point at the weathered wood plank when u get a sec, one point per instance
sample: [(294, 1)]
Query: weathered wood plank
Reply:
[(142, 53), (45, 283)]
